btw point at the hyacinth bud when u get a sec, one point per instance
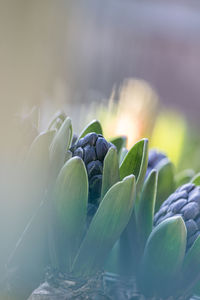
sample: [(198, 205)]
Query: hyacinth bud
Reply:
[(185, 202), (92, 149)]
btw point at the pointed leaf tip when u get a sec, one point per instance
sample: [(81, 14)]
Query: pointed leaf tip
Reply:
[(135, 161), (93, 126), (59, 146), (196, 179), (57, 120)]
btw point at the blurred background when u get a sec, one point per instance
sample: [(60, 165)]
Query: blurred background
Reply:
[(83, 49), (135, 65), (71, 53)]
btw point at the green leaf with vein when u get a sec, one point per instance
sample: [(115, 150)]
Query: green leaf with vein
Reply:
[(110, 171), (57, 120), (133, 162), (93, 126), (122, 155), (71, 196), (40, 147), (163, 257), (143, 166), (59, 147), (191, 266), (146, 207), (108, 223), (37, 162), (166, 182)]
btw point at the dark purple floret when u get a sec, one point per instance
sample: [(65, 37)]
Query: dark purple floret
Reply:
[(92, 148), (185, 202)]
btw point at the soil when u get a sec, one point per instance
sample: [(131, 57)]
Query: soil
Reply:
[(66, 287), (104, 286)]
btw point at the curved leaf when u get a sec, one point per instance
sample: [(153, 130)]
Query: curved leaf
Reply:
[(146, 207), (59, 147), (129, 255), (37, 166), (163, 256), (196, 179), (122, 155), (108, 223), (135, 161), (93, 126), (166, 183), (57, 120), (39, 149), (71, 194), (110, 171), (143, 167), (191, 267)]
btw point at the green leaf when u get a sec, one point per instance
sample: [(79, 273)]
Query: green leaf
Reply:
[(135, 161), (59, 147), (129, 256), (93, 126), (71, 194), (196, 179), (143, 167), (108, 223), (122, 155), (183, 177), (68, 155), (119, 142), (191, 267), (163, 256), (110, 171), (37, 166), (146, 207), (40, 147), (57, 120), (196, 289), (166, 183)]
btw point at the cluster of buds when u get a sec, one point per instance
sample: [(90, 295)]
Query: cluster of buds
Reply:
[(137, 210)]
